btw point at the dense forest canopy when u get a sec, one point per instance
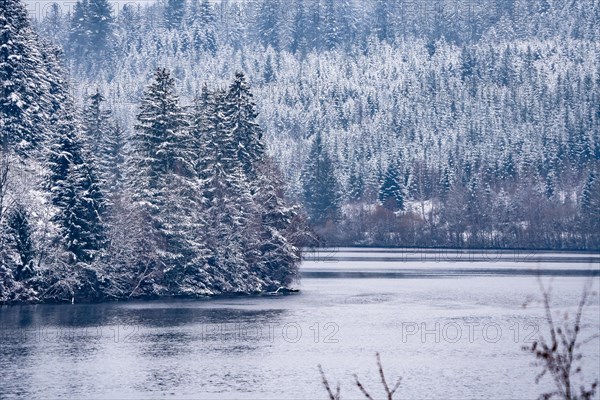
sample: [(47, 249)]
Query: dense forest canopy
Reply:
[(182, 202), (479, 120), (396, 123)]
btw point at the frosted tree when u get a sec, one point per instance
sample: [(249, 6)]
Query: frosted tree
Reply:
[(96, 124), (174, 13), (241, 115), (76, 193), (391, 192), (268, 23), (91, 34), (21, 234), (590, 201), (319, 184), (22, 74), (281, 231), (163, 182)]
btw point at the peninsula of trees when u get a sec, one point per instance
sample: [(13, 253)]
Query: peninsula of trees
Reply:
[(186, 203)]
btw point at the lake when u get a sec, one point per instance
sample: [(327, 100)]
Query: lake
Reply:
[(451, 323)]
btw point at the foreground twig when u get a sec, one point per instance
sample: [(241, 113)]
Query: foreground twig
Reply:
[(560, 356), (389, 392), (332, 396)]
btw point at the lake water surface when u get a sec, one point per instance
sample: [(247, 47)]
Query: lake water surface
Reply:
[(453, 328)]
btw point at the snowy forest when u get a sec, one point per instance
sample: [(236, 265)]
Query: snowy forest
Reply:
[(186, 203), (192, 147)]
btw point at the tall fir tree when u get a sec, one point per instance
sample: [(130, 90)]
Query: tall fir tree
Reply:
[(174, 13), (76, 193), (24, 86), (391, 192), (96, 125), (162, 178), (241, 114), (22, 237), (320, 185)]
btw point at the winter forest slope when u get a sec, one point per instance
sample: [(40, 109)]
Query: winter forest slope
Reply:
[(183, 202), (443, 123), (142, 145)]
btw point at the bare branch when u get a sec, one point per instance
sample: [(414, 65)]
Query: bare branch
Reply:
[(362, 388), (332, 396)]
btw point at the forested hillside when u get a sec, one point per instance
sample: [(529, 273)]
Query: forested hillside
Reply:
[(434, 123), (182, 202)]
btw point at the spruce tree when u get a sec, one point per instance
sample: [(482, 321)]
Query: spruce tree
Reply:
[(241, 115), (162, 179), (77, 45), (96, 125), (24, 87), (100, 26), (76, 194), (91, 33), (391, 192), (21, 232), (174, 13), (319, 184), (268, 23), (279, 242), (590, 202)]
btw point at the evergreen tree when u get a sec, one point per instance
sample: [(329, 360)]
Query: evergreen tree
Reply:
[(75, 192), (99, 26), (589, 204), (113, 162), (162, 179), (331, 27), (24, 86), (96, 125), (445, 183), (383, 20), (268, 23), (204, 29), (21, 232), (77, 45), (241, 115), (91, 33), (269, 72), (54, 26), (279, 241), (174, 13), (391, 192), (319, 184), (159, 140)]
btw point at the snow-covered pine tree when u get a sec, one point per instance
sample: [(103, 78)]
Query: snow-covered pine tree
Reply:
[(100, 27), (320, 185), (21, 233), (331, 36), (112, 164), (76, 193), (23, 83), (77, 42), (230, 213), (268, 20), (174, 13), (163, 182), (96, 126), (281, 233), (203, 28), (91, 35), (589, 204), (391, 192), (240, 112)]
